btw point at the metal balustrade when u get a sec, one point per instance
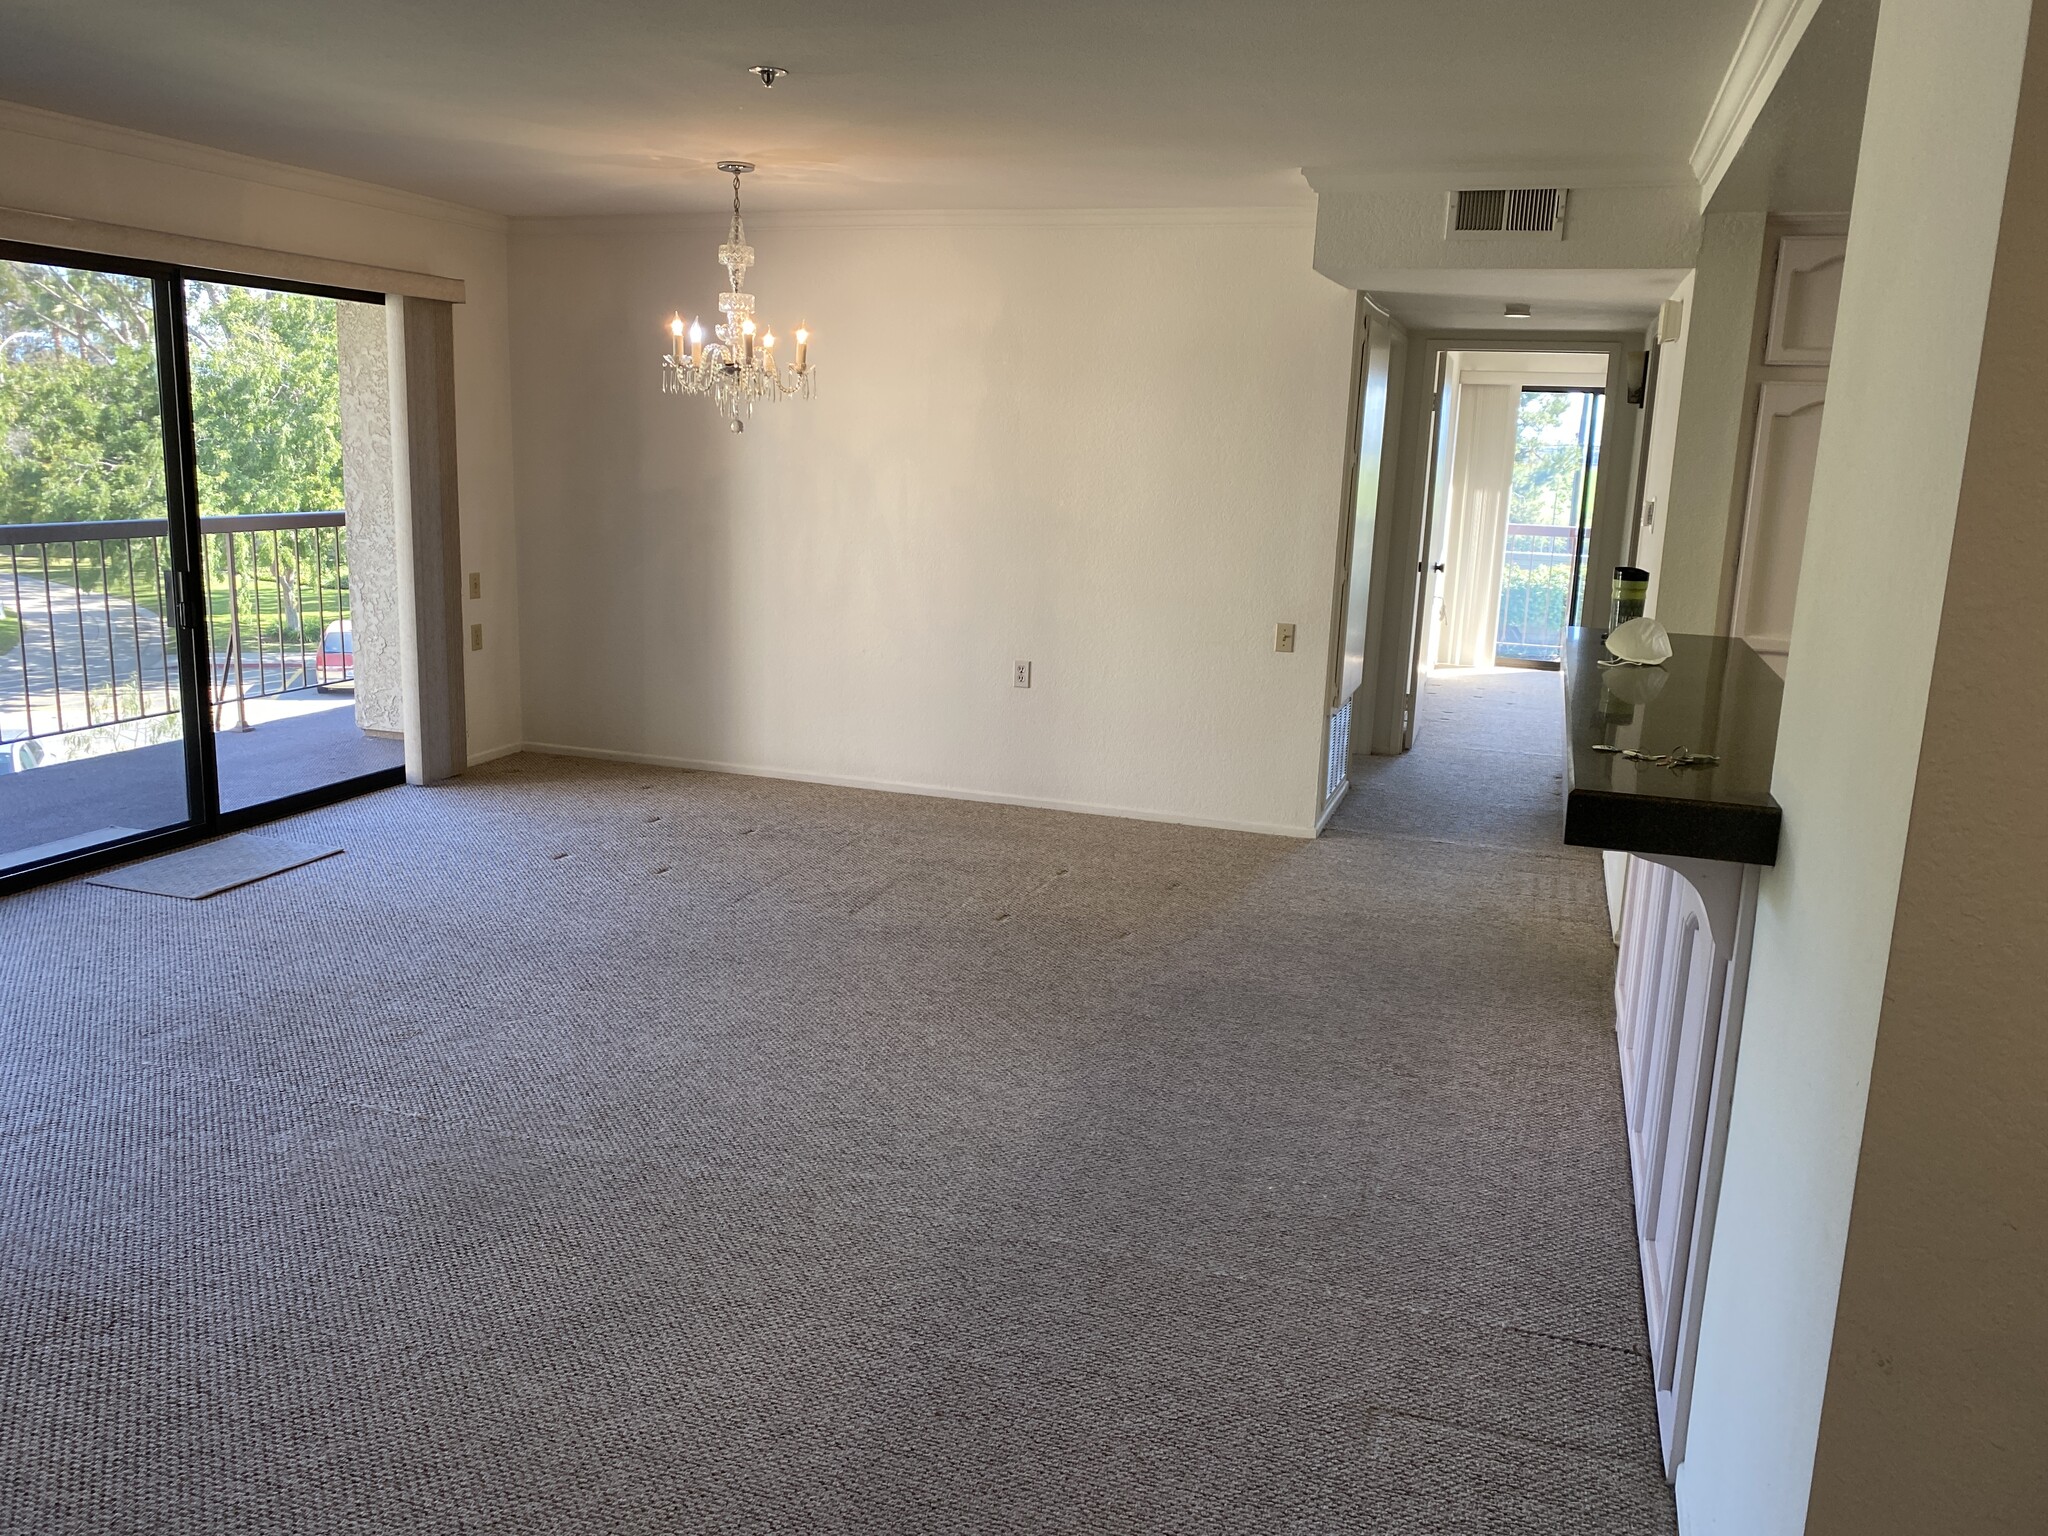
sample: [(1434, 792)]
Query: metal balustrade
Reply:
[(94, 643)]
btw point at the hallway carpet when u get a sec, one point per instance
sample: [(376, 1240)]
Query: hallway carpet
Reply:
[(601, 1149)]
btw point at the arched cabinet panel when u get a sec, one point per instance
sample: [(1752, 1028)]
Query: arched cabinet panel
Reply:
[(1804, 297), (1774, 515)]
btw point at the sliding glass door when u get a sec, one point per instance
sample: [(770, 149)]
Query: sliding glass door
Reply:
[(178, 641), (300, 576), (1549, 523), (93, 663)]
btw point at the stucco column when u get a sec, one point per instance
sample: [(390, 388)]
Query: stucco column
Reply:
[(372, 527)]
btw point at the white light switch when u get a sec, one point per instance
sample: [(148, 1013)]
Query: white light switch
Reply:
[(476, 584), (1283, 637), (476, 637)]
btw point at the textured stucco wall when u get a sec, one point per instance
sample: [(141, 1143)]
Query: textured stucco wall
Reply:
[(372, 528)]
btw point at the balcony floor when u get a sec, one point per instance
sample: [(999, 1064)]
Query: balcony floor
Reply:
[(77, 804)]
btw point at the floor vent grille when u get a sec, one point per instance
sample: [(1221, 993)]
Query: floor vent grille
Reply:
[(1535, 211), (1338, 770)]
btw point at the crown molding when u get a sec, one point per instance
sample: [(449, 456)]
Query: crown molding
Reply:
[(88, 133), (1774, 30), (1299, 217)]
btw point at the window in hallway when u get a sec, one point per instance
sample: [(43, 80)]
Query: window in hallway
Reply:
[(1550, 501)]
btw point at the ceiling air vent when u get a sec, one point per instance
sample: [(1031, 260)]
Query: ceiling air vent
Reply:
[(1506, 211)]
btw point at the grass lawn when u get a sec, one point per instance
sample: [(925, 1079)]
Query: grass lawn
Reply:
[(10, 632), (261, 610)]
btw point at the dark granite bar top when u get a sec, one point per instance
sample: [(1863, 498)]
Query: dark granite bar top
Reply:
[(1714, 695)]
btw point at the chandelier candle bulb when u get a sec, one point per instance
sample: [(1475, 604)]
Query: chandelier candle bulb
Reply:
[(803, 345), (696, 345), (675, 330)]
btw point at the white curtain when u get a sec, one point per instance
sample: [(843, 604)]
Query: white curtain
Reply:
[(1482, 467)]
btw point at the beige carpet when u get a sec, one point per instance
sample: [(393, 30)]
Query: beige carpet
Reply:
[(606, 1150)]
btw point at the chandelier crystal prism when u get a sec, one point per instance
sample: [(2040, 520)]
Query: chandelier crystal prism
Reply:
[(738, 367)]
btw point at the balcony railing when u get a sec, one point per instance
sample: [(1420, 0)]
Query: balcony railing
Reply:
[(1535, 587), (91, 638)]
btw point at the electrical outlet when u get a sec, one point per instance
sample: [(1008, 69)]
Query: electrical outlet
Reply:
[(476, 584), (476, 637), (1283, 637), (1021, 677)]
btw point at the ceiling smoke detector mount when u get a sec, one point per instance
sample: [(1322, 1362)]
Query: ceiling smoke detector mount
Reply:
[(768, 74)]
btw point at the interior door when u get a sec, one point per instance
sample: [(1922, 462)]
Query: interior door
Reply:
[(1355, 558), (1429, 568)]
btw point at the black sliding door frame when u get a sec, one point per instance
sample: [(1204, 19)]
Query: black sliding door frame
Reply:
[(188, 561), (190, 620)]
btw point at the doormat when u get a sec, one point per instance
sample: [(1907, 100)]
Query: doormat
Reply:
[(193, 874)]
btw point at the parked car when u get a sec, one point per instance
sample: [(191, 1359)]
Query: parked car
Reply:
[(336, 662), (20, 756)]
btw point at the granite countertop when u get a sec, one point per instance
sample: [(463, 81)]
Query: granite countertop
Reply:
[(1715, 695)]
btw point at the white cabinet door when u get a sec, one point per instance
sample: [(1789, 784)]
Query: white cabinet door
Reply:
[(1644, 929), (1674, 1016), (1788, 422), (1804, 297), (1689, 1023)]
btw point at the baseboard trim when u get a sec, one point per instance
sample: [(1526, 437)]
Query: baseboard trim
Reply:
[(931, 791), (492, 754)]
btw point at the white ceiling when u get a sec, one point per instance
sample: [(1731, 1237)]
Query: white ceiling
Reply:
[(1560, 299), (622, 106)]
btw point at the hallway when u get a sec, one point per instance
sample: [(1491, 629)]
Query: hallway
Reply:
[(703, 1153)]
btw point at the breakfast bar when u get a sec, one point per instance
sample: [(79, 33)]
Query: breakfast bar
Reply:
[(1671, 765)]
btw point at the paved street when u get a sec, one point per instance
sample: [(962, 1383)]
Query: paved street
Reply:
[(81, 654)]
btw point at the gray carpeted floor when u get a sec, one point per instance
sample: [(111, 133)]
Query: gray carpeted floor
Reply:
[(596, 1149)]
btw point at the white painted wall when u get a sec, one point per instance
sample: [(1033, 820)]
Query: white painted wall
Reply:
[(1365, 231), (1110, 444), (1693, 578), (1665, 407), (1929, 191), (81, 170)]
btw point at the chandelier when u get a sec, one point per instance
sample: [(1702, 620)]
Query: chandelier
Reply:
[(738, 367)]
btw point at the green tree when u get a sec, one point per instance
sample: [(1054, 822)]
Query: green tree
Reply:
[(80, 437), (1548, 453), (266, 417), (266, 400)]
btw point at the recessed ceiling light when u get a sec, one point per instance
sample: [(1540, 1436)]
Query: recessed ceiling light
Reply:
[(1515, 311), (768, 74)]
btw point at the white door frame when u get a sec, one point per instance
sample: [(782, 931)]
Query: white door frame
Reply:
[(1403, 554)]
